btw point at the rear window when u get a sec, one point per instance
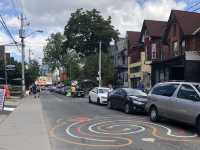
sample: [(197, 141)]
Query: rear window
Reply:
[(103, 90), (165, 89)]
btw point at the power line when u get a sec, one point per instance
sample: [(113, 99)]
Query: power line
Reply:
[(14, 6), (6, 29), (196, 9), (194, 4)]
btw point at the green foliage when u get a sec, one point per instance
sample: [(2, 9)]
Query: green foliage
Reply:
[(90, 70), (56, 55), (32, 73), (53, 52), (85, 29)]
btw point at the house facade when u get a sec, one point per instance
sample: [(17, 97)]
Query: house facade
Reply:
[(121, 63), (145, 51), (181, 59)]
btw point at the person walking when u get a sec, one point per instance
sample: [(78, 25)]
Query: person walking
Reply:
[(34, 90)]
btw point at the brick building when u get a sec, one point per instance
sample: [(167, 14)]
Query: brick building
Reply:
[(181, 60), (144, 51)]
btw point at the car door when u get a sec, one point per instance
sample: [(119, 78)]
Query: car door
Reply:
[(161, 96), (121, 98), (114, 98), (93, 94), (187, 104)]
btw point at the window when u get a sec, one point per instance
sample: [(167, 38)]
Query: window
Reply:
[(188, 93), (153, 50), (197, 87), (103, 90), (175, 48), (183, 44), (165, 90), (135, 69)]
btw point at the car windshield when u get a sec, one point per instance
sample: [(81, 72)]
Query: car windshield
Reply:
[(103, 90), (197, 87), (135, 92)]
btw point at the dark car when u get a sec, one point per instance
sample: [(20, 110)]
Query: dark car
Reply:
[(127, 99)]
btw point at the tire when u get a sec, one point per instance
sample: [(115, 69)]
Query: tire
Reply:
[(127, 108), (109, 105), (98, 101), (90, 100), (154, 114), (198, 126)]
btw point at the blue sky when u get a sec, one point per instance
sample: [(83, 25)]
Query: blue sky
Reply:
[(52, 15)]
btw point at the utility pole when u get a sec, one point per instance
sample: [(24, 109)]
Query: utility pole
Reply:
[(22, 36), (99, 64), (29, 56), (5, 63)]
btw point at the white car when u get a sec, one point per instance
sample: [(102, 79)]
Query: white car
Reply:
[(99, 95)]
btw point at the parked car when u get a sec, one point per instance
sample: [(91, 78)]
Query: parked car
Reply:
[(99, 95), (179, 101), (127, 99)]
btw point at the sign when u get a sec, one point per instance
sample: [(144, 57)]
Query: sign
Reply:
[(10, 67), (2, 99)]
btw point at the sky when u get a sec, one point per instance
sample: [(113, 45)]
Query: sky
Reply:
[(52, 15)]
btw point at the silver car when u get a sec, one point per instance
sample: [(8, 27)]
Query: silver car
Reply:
[(175, 100)]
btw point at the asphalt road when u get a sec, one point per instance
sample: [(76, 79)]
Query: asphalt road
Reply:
[(74, 124)]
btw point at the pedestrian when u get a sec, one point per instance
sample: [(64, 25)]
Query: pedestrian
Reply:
[(140, 85), (73, 90), (34, 90)]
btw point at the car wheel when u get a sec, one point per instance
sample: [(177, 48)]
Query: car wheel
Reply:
[(90, 100), (109, 105), (198, 126), (154, 114), (127, 109), (98, 101)]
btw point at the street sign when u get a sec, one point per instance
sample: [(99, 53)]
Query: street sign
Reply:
[(10, 67), (2, 99)]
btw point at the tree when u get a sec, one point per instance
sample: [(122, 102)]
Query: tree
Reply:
[(85, 29), (32, 73), (56, 55), (90, 69), (53, 52)]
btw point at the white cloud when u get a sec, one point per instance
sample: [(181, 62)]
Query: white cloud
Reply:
[(52, 15), (126, 14), (12, 21)]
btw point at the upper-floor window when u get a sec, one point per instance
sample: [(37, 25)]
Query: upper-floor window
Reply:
[(135, 69), (183, 44), (175, 48), (153, 51)]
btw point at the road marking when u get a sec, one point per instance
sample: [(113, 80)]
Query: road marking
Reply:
[(152, 140)]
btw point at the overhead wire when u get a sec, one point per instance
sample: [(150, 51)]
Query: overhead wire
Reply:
[(8, 31), (194, 4)]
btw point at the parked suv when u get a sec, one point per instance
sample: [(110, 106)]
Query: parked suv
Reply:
[(175, 100)]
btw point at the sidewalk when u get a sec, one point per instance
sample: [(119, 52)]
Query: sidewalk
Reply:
[(25, 129)]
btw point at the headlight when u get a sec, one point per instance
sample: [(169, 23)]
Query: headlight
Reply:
[(137, 102)]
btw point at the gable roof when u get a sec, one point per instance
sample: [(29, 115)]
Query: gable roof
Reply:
[(188, 21), (133, 37), (155, 28)]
